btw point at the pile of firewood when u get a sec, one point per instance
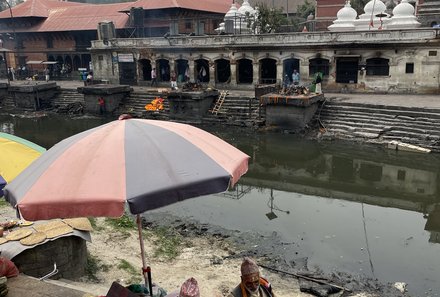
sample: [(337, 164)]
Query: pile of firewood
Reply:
[(192, 86), (293, 90)]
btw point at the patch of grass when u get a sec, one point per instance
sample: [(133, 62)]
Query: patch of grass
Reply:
[(123, 223), (93, 222), (3, 203), (124, 265), (94, 265), (168, 243)]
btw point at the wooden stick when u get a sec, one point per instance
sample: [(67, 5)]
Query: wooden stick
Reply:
[(305, 277)]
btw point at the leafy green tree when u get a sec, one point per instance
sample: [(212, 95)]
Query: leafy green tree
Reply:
[(270, 20), (359, 5), (305, 9)]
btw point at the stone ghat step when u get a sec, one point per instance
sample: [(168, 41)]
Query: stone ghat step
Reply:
[(419, 125), (385, 139), (411, 112), (373, 113), (368, 115), (376, 131)]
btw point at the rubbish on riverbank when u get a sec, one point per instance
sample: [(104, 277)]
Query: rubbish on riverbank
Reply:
[(401, 146), (319, 281), (400, 286)]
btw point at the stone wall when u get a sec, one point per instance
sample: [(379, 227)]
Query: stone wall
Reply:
[(69, 253)]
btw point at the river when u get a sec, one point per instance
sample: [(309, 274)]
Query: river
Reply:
[(346, 207)]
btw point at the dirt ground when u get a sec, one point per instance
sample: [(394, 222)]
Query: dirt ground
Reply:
[(206, 259), (212, 260)]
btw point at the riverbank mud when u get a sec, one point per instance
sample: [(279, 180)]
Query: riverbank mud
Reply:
[(278, 256)]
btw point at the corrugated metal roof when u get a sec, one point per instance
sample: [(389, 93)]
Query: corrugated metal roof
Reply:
[(72, 16), (220, 6), (36, 8), (77, 17)]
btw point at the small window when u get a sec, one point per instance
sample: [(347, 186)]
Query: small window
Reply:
[(409, 68), (432, 53), (378, 66), (188, 25), (100, 58), (401, 174)]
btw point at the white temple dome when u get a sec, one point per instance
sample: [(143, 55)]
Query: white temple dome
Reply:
[(347, 12), (246, 8), (377, 5), (232, 12), (403, 9), (346, 17)]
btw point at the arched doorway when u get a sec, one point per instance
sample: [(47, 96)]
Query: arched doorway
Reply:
[(289, 65), (145, 69), (222, 70), (68, 64), (202, 70), (163, 69), (76, 62), (85, 61), (182, 70), (245, 71), (268, 71)]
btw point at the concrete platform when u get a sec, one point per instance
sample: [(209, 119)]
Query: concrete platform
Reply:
[(23, 285)]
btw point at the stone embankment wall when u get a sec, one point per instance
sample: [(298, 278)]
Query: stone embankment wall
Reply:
[(338, 120)]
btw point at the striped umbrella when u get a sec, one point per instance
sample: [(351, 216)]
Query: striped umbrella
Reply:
[(146, 164), (15, 155)]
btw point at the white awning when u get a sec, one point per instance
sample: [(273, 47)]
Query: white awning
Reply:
[(34, 62), (49, 62)]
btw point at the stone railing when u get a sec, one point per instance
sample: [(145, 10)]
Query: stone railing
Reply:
[(284, 40)]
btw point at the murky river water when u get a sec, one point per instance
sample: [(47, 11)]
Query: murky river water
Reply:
[(351, 208)]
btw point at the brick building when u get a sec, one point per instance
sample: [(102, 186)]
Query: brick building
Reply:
[(57, 34)]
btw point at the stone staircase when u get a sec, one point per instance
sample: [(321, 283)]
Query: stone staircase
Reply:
[(7, 102), (135, 105), (380, 124), (66, 97), (237, 111)]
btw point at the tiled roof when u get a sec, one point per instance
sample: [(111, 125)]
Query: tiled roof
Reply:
[(219, 6)]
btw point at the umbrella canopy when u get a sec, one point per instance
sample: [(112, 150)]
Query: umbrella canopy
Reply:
[(145, 163), (16, 154)]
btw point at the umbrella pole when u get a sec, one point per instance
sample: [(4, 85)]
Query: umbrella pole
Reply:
[(146, 270)]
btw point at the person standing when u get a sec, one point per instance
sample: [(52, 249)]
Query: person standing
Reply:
[(153, 77), (173, 80), (252, 284), (46, 74), (101, 104), (295, 77), (318, 82)]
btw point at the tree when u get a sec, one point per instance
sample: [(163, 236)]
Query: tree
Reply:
[(305, 9), (269, 20), (359, 5)]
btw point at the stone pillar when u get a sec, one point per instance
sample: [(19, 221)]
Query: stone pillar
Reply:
[(211, 73), (233, 66), (280, 72), (191, 70), (256, 72)]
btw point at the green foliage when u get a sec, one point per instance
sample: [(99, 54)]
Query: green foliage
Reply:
[(168, 243), (123, 223), (125, 265), (3, 203), (359, 5), (270, 19), (305, 9)]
